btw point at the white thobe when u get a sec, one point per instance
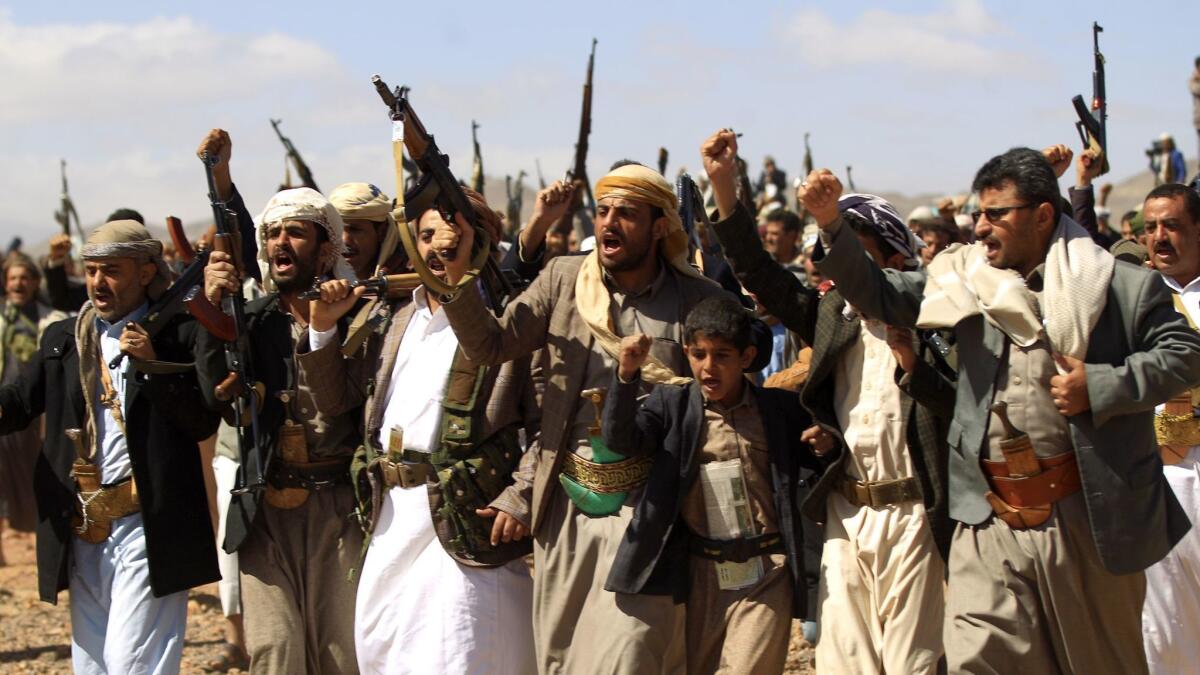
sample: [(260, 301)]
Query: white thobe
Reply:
[(112, 578), (881, 589), (417, 610), (1172, 609)]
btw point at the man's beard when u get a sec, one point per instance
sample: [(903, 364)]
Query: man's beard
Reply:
[(301, 279)]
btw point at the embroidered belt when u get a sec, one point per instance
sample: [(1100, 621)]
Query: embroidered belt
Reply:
[(621, 476), (1177, 429), (879, 493), (98, 508)]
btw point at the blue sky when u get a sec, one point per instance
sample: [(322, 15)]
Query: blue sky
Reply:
[(916, 98)]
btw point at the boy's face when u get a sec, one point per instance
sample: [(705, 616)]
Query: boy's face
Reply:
[(717, 365)]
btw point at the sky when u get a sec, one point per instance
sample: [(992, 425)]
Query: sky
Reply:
[(916, 96)]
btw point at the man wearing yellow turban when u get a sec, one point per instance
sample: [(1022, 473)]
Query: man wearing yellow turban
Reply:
[(636, 281), (369, 235)]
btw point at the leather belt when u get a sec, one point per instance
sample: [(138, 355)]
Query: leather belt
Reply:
[(621, 476), (1059, 478), (311, 475), (735, 550), (879, 493)]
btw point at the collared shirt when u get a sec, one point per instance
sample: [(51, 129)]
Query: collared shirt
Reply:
[(113, 452), (868, 405), (1189, 294), (735, 433), (418, 384), (654, 311)]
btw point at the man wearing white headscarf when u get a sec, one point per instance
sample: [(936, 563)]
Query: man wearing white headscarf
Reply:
[(124, 518), (636, 280), (292, 529)]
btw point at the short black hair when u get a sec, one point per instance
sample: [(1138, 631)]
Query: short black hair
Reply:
[(789, 220), (719, 317), (624, 162), (125, 214), (1028, 170), (1191, 200), (1129, 215)]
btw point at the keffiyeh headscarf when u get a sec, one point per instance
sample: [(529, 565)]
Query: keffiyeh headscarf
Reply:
[(364, 201), (129, 239), (883, 218), (303, 204)]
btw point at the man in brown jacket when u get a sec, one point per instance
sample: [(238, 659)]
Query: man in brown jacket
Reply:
[(637, 280)]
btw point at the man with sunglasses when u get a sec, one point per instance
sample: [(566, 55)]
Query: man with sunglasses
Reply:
[(1058, 493)]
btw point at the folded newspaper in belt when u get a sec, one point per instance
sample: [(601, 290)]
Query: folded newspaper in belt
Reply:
[(727, 512)]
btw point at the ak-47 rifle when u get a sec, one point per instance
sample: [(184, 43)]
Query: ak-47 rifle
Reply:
[(66, 212), (516, 198), (850, 178), (541, 179), (477, 164), (662, 161), (1093, 123), (173, 301), (229, 326), (691, 209), (306, 176), (438, 188), (744, 189), (808, 162), (578, 170)]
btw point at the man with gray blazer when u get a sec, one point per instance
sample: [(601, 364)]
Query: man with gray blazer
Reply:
[(1061, 504)]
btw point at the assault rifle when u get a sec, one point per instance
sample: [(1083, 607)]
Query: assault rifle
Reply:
[(808, 161), (438, 188), (691, 209), (477, 164), (850, 178), (1093, 123), (662, 161), (306, 176), (229, 326), (516, 199), (541, 179), (173, 301), (578, 170), (66, 212)]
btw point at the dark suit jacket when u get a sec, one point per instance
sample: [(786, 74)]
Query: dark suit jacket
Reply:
[(819, 323), (165, 417), (653, 555), (1141, 353)]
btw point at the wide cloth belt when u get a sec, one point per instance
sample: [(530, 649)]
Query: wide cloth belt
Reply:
[(109, 502), (311, 475), (879, 493), (621, 476), (735, 550), (1177, 429), (1059, 479)]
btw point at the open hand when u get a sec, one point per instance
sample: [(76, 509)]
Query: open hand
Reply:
[(506, 528)]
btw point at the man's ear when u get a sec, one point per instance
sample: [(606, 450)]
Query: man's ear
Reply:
[(147, 272), (748, 355), (661, 228), (323, 265), (1044, 215)]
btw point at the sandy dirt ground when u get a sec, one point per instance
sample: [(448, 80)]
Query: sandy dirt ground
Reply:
[(37, 636)]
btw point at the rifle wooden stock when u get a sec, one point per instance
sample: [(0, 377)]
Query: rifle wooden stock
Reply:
[(216, 322), (183, 247)]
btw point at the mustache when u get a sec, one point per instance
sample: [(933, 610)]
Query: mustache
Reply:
[(1164, 247)]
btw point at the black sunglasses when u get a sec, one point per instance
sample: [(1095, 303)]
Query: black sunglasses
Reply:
[(997, 212)]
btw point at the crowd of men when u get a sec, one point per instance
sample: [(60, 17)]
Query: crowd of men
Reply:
[(964, 440)]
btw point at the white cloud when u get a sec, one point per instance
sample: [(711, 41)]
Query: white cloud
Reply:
[(951, 40)]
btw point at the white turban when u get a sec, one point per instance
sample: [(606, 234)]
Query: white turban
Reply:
[(308, 205)]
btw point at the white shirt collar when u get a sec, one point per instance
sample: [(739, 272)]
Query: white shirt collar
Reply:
[(1192, 285), (114, 329)]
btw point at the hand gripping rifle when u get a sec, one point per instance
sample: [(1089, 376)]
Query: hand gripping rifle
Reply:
[(578, 170), (1093, 122), (437, 188), (229, 326), (293, 154)]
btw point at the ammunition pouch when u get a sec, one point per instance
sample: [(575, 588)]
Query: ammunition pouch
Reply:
[(96, 505)]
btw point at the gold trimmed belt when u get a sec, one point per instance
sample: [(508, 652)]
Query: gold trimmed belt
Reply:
[(621, 476), (879, 493)]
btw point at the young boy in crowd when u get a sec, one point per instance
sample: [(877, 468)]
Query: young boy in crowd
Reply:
[(719, 525)]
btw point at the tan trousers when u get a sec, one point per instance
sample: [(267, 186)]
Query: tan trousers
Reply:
[(1039, 601), (881, 592), (739, 631), (298, 605), (580, 628)]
